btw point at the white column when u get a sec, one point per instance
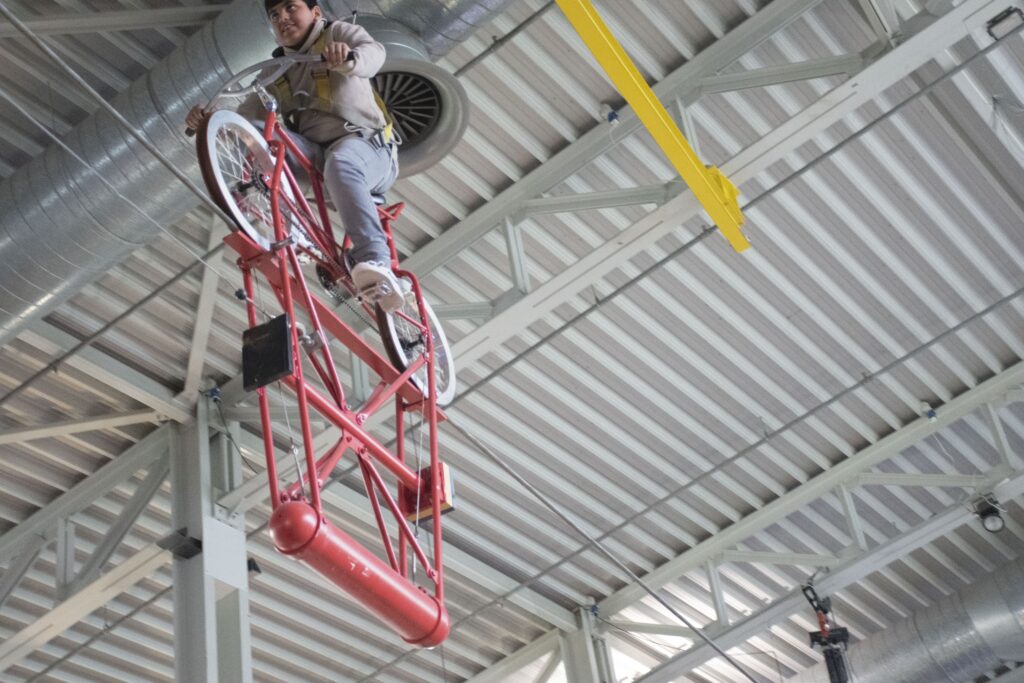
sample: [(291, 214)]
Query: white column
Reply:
[(211, 601), (585, 653)]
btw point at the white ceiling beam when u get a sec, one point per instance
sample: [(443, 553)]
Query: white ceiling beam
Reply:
[(717, 593), (831, 108), (121, 20), (109, 371), (995, 424), (844, 65), (519, 267), (130, 512), (672, 630), (14, 137), (963, 481), (469, 311), (520, 659), (882, 17), (550, 667), (204, 314), (251, 415), (723, 52), (588, 201), (89, 424), (82, 495), (853, 522), (17, 567), (794, 559), (817, 487), (56, 84), (75, 608), (126, 43), (849, 572), (89, 63), (39, 114)]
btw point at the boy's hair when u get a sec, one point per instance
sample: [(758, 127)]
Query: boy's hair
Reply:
[(270, 4)]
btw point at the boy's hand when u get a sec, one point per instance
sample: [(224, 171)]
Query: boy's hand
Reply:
[(195, 117), (337, 55)]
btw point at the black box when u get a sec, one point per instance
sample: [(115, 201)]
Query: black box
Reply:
[(267, 353)]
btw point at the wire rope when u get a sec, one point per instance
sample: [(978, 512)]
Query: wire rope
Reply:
[(599, 546), (150, 147), (417, 432), (203, 259)]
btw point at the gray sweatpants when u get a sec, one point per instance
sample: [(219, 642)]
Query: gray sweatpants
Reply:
[(353, 169)]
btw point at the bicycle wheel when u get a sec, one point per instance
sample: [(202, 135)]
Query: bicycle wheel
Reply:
[(405, 342), (236, 164)]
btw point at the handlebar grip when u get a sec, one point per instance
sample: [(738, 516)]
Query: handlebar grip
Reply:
[(350, 58)]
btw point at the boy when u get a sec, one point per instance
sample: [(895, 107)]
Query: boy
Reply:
[(335, 110)]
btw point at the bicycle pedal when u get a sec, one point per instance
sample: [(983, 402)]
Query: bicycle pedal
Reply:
[(376, 291), (371, 294)]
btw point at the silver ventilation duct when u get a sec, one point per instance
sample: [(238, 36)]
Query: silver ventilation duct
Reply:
[(441, 24), (429, 105), (60, 225), (954, 641)]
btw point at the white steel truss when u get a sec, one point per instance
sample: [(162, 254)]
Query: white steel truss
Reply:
[(1003, 481), (123, 20), (886, 70)]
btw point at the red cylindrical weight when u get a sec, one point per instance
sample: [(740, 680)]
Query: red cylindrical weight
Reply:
[(418, 617)]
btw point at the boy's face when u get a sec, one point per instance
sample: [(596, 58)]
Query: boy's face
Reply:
[(292, 20)]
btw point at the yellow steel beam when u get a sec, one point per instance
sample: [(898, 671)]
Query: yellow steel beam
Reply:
[(715, 192)]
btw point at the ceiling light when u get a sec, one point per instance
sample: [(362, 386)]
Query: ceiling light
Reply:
[(1005, 23), (988, 510)]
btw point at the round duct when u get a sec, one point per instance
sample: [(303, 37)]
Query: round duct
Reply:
[(428, 104)]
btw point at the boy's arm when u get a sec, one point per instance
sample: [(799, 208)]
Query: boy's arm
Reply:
[(369, 53), (251, 108)]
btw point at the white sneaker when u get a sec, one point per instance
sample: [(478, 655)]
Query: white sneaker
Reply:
[(376, 283)]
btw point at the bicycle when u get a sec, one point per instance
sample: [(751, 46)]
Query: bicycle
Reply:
[(276, 229), (241, 174)]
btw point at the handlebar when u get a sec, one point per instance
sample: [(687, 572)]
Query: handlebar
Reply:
[(267, 72)]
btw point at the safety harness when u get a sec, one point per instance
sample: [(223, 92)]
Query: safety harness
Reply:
[(322, 98)]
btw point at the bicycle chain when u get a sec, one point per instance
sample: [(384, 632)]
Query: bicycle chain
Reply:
[(337, 297)]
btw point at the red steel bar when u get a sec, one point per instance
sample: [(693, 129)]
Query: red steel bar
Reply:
[(346, 421), (297, 383)]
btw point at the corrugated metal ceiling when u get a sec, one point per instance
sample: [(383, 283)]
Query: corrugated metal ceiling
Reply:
[(608, 407)]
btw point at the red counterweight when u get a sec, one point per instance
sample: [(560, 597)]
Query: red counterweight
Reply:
[(419, 618)]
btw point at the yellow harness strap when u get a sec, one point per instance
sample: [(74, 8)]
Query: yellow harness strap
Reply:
[(389, 123), (284, 93), (321, 75)]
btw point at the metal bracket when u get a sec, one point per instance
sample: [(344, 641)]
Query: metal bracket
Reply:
[(181, 545)]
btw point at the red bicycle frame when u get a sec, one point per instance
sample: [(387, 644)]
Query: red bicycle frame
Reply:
[(298, 524)]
